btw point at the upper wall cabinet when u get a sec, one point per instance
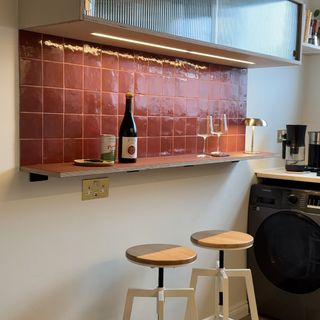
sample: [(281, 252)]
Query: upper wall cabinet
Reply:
[(242, 33)]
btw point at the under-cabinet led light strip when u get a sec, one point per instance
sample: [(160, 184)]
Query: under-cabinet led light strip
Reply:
[(148, 44)]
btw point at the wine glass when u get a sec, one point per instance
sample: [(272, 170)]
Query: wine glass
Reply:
[(219, 126), (203, 131)]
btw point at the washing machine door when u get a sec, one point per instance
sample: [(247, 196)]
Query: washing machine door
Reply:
[(287, 250)]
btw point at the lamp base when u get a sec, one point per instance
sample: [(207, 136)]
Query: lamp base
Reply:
[(252, 152)]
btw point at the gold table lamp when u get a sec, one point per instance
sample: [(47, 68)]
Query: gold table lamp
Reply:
[(253, 122)]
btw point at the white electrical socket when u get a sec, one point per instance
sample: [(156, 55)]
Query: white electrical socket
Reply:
[(95, 188)]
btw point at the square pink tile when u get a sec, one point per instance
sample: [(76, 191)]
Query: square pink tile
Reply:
[(72, 126), (73, 101), (92, 57), (142, 147), (126, 64), (166, 126), (140, 83), (191, 126), (140, 105), (30, 44), (91, 126), (126, 81), (122, 104), (204, 89), (109, 125), (154, 106), (141, 66), (155, 67), (181, 88), (72, 149), (30, 152), (53, 151), (92, 102), (168, 69), (155, 85), (179, 145), (30, 125), (166, 146), (153, 147), (168, 87), (232, 143), (52, 74), (180, 107), (191, 145), (110, 80), (241, 141), (92, 79), (154, 126), (53, 48), (110, 61), (52, 125), (30, 72), (167, 106), (73, 51), (92, 148), (192, 107), (109, 103), (142, 125), (179, 126), (52, 100), (73, 75), (192, 88), (30, 99)]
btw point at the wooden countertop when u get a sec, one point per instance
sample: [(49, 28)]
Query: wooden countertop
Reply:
[(63, 170), (282, 174)]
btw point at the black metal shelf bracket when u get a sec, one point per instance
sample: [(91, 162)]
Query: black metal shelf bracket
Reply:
[(35, 177)]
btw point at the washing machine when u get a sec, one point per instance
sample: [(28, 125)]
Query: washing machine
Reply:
[(285, 257)]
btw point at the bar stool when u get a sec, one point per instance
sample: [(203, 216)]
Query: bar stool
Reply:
[(161, 256), (224, 240)]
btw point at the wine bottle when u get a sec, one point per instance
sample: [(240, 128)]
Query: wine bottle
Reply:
[(128, 141)]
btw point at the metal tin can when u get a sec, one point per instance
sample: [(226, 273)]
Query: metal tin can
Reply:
[(107, 147)]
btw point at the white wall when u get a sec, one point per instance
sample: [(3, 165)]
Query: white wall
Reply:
[(311, 102), (63, 259)]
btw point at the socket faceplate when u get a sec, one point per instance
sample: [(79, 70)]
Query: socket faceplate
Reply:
[(95, 188)]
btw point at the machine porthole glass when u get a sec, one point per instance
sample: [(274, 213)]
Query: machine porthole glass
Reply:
[(287, 250)]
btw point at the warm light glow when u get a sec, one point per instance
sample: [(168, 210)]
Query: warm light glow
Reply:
[(138, 42), (148, 44)]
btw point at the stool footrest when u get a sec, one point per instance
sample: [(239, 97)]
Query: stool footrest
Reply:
[(222, 286), (161, 294)]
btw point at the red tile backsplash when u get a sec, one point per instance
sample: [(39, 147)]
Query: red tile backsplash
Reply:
[(72, 91)]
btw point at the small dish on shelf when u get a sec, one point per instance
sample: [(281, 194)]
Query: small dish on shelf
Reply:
[(93, 163)]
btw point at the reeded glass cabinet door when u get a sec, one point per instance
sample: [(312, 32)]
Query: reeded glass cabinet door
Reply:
[(269, 27), (265, 26), (194, 19)]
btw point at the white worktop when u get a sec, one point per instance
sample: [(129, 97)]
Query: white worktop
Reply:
[(282, 174)]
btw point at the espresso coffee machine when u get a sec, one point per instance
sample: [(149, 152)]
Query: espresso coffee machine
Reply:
[(293, 148), (314, 151)]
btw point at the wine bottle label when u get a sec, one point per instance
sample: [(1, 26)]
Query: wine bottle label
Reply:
[(129, 147)]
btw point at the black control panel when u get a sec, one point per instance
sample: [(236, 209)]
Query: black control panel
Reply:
[(284, 198)]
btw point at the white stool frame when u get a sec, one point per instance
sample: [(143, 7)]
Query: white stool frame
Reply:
[(161, 293), (222, 285)]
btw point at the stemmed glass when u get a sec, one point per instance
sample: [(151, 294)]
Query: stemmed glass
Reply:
[(218, 128), (204, 131)]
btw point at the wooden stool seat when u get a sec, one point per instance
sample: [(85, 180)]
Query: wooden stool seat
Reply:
[(161, 255), (222, 240)]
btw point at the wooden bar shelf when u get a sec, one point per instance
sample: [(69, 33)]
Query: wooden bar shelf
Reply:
[(40, 172)]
